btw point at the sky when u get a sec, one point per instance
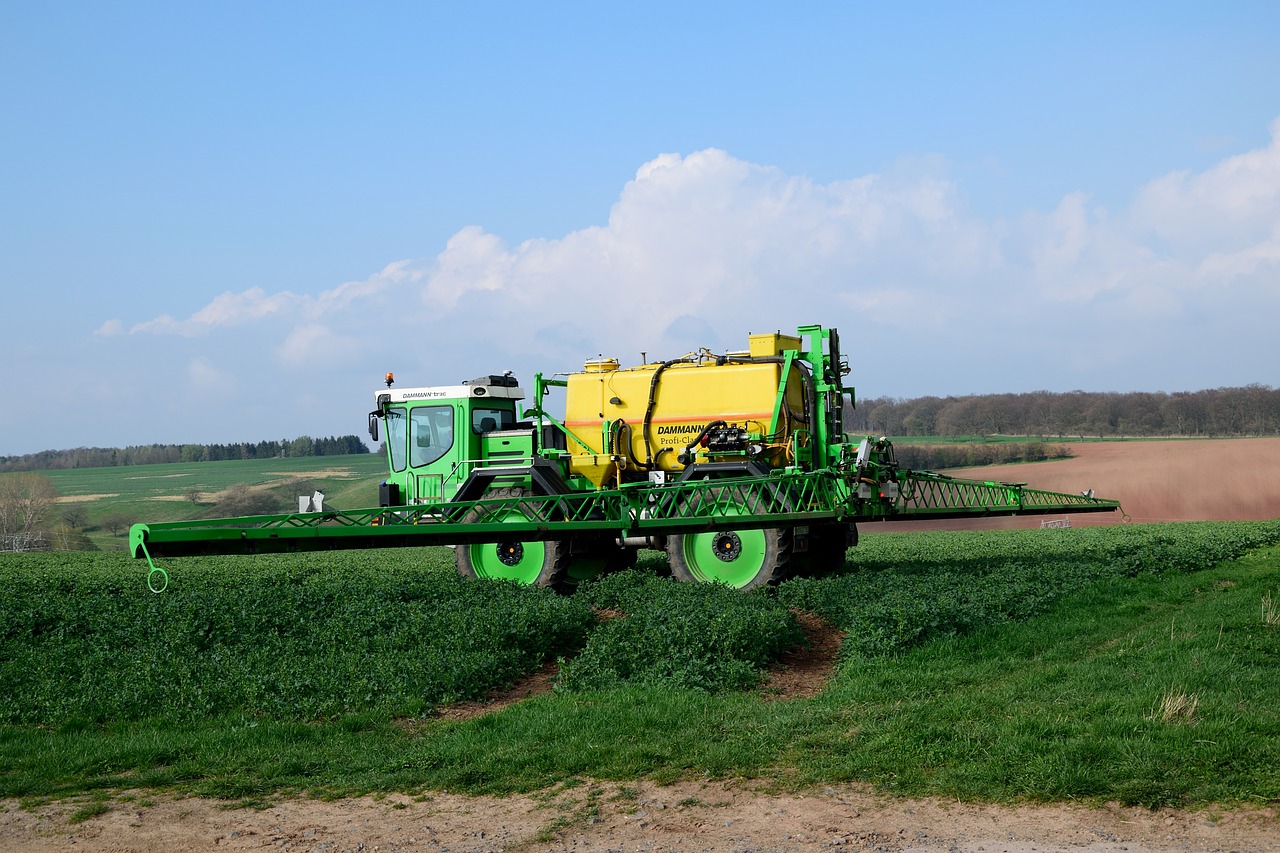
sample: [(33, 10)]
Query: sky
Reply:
[(225, 222)]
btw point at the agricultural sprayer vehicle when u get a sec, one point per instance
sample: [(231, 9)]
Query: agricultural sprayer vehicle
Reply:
[(736, 464)]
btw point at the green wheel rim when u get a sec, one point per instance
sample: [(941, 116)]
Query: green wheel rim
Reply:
[(508, 560), (734, 557)]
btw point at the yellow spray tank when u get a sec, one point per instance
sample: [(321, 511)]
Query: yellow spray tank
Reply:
[(630, 421)]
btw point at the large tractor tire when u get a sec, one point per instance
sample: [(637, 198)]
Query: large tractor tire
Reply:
[(527, 562), (743, 559)]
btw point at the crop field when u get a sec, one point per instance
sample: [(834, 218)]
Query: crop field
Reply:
[(171, 482), (165, 492), (1135, 663)]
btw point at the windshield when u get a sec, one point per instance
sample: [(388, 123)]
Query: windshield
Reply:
[(396, 437), (430, 434)]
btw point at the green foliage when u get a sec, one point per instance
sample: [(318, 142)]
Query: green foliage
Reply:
[(1187, 547), (997, 665), (395, 633), (1068, 705), (685, 636), (905, 590)]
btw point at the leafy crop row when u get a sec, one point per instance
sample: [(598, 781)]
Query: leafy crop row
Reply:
[(303, 638), (671, 634), (397, 633), (902, 590)]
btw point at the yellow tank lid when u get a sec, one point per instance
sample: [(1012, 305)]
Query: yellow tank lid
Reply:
[(600, 365)]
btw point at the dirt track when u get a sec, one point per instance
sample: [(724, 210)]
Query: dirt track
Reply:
[(641, 817)]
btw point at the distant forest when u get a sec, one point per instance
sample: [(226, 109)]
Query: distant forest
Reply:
[(154, 454), (1253, 410)]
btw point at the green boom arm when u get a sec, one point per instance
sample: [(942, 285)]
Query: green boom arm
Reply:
[(779, 500)]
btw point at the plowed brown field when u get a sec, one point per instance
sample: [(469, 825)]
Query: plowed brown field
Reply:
[(1174, 480)]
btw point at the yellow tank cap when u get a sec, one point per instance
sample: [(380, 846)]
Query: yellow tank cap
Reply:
[(600, 365), (772, 344)]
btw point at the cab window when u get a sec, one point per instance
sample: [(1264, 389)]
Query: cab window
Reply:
[(488, 420), (430, 434)]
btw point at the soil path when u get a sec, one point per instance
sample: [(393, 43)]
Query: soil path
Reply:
[(686, 816)]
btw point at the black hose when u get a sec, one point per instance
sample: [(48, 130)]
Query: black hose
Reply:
[(706, 429), (685, 457), (620, 446), (648, 412)]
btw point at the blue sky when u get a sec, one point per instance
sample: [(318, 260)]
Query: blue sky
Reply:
[(225, 221)]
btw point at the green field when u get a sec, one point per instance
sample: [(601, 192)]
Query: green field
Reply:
[(1140, 664), (152, 493)]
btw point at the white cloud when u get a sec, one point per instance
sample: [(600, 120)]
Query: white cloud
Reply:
[(703, 234), (1231, 204), (109, 329), (315, 345), (915, 281), (714, 236), (227, 309), (344, 295), (471, 260), (230, 309), (256, 305), (1260, 257)]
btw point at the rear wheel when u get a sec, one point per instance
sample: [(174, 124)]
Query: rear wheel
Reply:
[(743, 559), (524, 561)]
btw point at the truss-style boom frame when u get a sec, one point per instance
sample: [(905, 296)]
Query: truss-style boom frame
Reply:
[(782, 499)]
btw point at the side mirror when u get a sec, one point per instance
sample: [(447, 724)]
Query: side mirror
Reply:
[(373, 425)]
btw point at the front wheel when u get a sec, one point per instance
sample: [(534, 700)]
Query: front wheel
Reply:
[(527, 562)]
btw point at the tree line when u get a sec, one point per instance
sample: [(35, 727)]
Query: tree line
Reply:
[(158, 454), (933, 457), (1253, 410)]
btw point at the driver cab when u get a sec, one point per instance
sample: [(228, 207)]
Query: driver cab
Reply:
[(436, 436)]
